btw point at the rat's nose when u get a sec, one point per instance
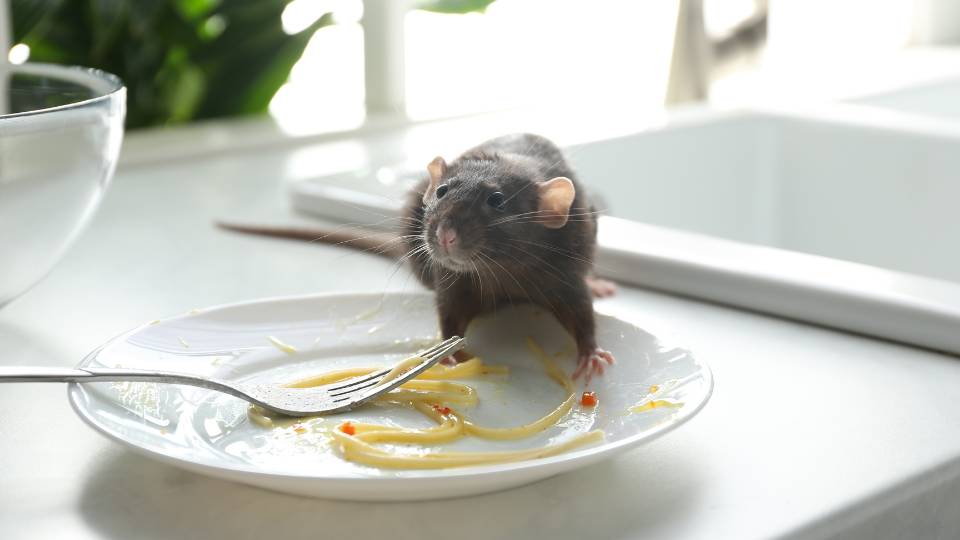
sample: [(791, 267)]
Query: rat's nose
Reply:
[(446, 237)]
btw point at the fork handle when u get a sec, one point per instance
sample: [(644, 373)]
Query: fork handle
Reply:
[(42, 374), (54, 374)]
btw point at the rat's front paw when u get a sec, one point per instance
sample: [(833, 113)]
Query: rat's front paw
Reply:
[(593, 364), (456, 358), (448, 361), (601, 288)]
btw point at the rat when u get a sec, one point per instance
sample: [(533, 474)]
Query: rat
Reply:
[(504, 223)]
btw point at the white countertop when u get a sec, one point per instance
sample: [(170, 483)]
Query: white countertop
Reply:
[(810, 432)]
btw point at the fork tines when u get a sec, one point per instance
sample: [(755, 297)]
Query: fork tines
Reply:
[(430, 357)]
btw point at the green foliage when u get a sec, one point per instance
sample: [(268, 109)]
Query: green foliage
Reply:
[(181, 60), (454, 6)]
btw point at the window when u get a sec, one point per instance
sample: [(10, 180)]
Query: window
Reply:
[(525, 52), (516, 54), (325, 91)]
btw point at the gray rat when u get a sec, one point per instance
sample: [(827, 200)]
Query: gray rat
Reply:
[(504, 223)]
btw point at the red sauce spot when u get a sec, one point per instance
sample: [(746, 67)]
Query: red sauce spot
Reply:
[(348, 428), (589, 399), (442, 410)]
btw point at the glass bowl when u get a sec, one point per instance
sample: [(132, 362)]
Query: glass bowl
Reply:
[(60, 133)]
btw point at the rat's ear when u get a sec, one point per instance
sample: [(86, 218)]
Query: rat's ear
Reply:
[(556, 196), (436, 168)]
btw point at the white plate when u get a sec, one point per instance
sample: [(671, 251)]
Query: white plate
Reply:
[(208, 432)]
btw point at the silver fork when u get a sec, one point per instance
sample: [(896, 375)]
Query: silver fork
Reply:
[(327, 399)]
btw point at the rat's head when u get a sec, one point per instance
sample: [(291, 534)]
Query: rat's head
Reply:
[(482, 208)]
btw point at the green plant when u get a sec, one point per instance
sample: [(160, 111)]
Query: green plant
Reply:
[(181, 60), (454, 6)]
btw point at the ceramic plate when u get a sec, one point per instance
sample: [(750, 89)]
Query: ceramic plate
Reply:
[(208, 432)]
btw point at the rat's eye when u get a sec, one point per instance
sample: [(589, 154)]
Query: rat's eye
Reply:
[(442, 190), (495, 200)]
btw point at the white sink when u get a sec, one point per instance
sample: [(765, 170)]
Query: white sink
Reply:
[(842, 216), (939, 99), (876, 196)]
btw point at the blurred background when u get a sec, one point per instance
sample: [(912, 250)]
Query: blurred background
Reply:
[(322, 66)]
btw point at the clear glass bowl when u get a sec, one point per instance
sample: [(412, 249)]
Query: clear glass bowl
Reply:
[(60, 133)]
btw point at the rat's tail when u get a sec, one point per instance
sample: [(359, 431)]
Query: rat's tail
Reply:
[(380, 243)]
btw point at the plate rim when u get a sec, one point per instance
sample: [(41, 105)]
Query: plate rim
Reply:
[(75, 393)]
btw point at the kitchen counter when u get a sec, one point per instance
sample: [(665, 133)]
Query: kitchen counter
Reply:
[(810, 433)]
